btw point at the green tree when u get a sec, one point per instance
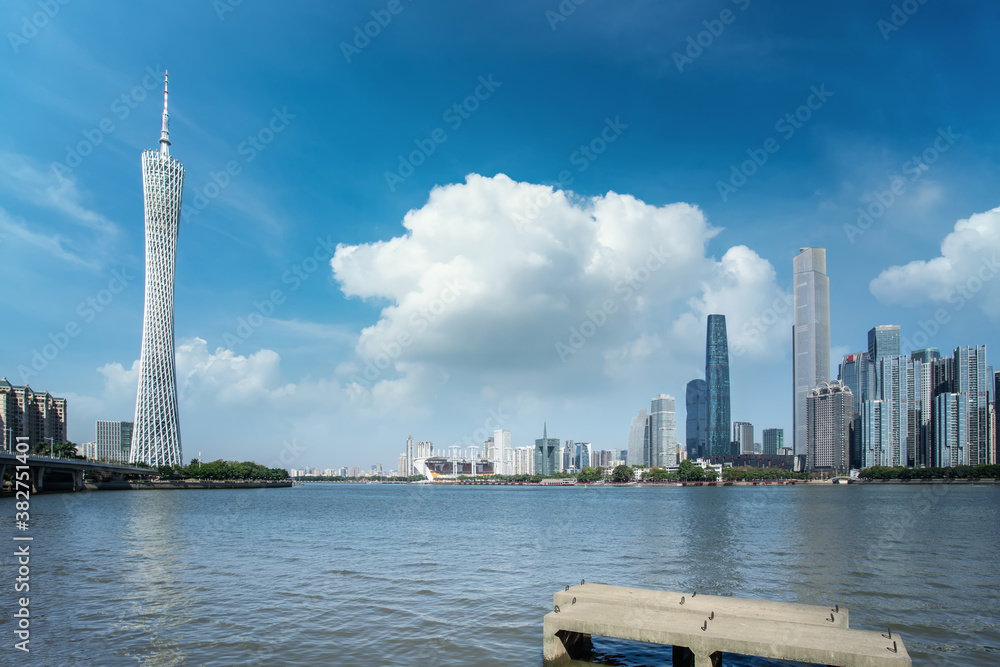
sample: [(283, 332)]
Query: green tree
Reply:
[(622, 473), (589, 474)]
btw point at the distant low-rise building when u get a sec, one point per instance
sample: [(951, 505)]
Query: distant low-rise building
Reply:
[(113, 442)]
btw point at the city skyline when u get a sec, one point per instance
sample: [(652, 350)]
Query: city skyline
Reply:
[(526, 232)]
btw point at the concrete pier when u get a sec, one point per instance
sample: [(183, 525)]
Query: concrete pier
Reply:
[(704, 626)]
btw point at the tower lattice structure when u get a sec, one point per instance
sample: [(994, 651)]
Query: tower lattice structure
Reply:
[(156, 436)]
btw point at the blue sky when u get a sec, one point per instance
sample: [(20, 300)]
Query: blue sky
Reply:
[(586, 145)]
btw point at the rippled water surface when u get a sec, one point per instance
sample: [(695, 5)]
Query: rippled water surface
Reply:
[(329, 575)]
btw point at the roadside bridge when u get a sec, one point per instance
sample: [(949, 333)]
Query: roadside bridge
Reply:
[(54, 474)]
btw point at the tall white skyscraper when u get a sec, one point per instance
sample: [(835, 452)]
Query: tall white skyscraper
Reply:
[(156, 437), (663, 431), (503, 463), (810, 335)]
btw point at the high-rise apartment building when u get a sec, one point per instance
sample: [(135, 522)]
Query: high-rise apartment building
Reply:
[(662, 431), (892, 388), (638, 440), (971, 373), (546, 454), (743, 435), (874, 437), (773, 440), (157, 432), (829, 412), (404, 466), (26, 413), (883, 341), (113, 441), (717, 385), (696, 433), (951, 430), (810, 335), (504, 463), (524, 461)]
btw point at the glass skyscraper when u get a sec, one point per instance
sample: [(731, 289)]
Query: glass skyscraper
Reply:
[(156, 437), (717, 385), (546, 454), (638, 440), (810, 335), (696, 432), (883, 341)]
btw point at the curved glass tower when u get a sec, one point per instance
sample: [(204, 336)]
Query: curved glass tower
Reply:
[(717, 381), (156, 436), (696, 435)]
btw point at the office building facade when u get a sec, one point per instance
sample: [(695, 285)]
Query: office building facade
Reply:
[(547, 454), (772, 440), (662, 431), (113, 441), (743, 436), (883, 341), (638, 440), (718, 416), (810, 336), (696, 431)]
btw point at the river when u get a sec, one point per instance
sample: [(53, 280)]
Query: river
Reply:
[(348, 574)]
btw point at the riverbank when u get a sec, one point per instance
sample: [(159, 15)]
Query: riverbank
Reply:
[(184, 484)]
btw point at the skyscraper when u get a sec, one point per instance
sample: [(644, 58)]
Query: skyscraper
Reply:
[(638, 440), (925, 355), (773, 440), (156, 437), (951, 430), (883, 341), (662, 431), (546, 454), (810, 335), (696, 434), (829, 411), (505, 464), (717, 384), (743, 434), (971, 374)]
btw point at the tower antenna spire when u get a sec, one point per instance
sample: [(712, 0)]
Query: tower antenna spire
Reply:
[(165, 132)]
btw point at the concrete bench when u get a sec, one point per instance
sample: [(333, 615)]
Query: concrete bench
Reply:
[(644, 598), (698, 638)]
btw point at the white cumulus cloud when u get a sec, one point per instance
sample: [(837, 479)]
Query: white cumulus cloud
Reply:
[(516, 284), (963, 273)]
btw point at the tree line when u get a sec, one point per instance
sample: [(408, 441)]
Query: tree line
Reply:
[(983, 471), (222, 470)]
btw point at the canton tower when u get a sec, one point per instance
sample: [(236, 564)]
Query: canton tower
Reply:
[(156, 435)]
